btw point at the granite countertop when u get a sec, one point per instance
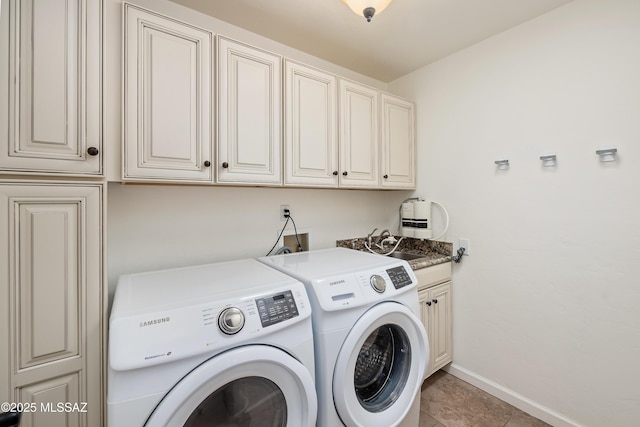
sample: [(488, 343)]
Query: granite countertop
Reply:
[(431, 252)]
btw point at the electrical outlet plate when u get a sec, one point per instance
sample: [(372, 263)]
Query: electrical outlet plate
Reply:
[(281, 212), (466, 244)]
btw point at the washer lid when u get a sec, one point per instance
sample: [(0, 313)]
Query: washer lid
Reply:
[(333, 261), (145, 292), (248, 383), (341, 279)]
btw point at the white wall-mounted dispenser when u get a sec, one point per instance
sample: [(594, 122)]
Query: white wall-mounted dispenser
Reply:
[(422, 220), (407, 219), (415, 219)]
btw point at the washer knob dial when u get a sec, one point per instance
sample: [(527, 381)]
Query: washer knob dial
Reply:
[(378, 283), (231, 320)]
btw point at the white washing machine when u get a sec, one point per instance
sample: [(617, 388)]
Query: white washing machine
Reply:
[(226, 344), (371, 348)]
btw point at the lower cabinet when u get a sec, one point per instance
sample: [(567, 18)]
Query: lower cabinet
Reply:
[(435, 311), (52, 302)]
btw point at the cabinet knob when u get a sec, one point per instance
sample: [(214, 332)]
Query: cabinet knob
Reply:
[(345, 173), (92, 151), (207, 163), (335, 172), (386, 176), (225, 165), (435, 301), (429, 303)]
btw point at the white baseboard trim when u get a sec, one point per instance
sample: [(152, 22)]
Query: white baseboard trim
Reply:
[(519, 401)]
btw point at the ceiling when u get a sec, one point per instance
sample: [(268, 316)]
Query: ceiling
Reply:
[(406, 36)]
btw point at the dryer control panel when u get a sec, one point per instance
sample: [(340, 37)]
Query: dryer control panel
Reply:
[(364, 287)]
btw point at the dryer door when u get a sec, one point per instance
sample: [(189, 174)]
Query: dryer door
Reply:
[(380, 367), (248, 386)]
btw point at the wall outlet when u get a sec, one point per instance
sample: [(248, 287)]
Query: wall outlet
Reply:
[(282, 212), (466, 244)]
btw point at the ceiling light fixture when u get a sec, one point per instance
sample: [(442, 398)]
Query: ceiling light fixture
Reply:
[(367, 8)]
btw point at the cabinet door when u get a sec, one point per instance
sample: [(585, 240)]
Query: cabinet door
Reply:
[(358, 135), (50, 86), (440, 319), (167, 99), (398, 143), (249, 116), (425, 313), (311, 143), (51, 296)]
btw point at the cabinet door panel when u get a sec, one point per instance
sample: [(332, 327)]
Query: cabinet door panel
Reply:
[(53, 81), (249, 103), (51, 293), (358, 135), (48, 258), (425, 313), (46, 395), (398, 143), (167, 99), (441, 320), (311, 145)]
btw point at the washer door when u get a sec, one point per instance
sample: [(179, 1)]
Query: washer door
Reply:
[(248, 386), (380, 367)]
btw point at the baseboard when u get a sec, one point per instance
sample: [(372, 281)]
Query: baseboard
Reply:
[(519, 401)]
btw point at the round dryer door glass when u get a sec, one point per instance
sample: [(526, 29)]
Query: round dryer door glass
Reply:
[(245, 402), (382, 368)]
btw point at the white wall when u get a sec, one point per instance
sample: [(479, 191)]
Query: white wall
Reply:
[(547, 306), (156, 227)]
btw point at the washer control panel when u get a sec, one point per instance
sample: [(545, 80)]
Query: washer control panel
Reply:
[(276, 308), (204, 326)]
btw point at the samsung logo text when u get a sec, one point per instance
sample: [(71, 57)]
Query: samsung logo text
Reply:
[(155, 321)]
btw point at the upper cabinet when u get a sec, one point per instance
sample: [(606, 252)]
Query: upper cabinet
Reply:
[(204, 108), (397, 142), (359, 161), (50, 113), (167, 99), (249, 114), (310, 133)]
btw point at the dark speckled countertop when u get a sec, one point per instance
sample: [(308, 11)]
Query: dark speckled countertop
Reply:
[(431, 252)]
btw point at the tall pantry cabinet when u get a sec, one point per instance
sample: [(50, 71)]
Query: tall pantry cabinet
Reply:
[(51, 300), (52, 303)]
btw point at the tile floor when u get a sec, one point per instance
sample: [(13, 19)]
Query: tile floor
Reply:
[(450, 402)]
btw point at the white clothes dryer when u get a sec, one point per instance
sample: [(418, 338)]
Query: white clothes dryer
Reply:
[(225, 344), (371, 348)]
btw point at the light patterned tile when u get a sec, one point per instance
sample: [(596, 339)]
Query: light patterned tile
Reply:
[(522, 419), (427, 420), (455, 403)]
